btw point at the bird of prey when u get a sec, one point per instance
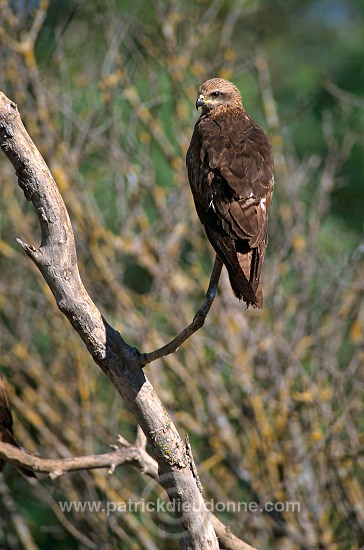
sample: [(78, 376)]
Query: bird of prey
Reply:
[(230, 170), (6, 426)]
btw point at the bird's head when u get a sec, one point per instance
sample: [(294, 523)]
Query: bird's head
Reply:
[(218, 92)]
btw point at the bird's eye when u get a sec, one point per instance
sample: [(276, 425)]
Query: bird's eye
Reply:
[(215, 94)]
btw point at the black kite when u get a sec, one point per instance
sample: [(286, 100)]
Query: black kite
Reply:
[(230, 169)]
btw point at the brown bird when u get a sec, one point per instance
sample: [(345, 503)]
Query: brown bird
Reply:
[(230, 170), (6, 426)]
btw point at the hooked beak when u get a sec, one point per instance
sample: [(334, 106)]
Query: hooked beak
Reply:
[(200, 101)]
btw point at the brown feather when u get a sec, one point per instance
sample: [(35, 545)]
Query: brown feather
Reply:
[(230, 170)]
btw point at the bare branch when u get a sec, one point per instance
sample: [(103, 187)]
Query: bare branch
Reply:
[(227, 538), (59, 466), (343, 95), (134, 455), (141, 440), (197, 322), (57, 261)]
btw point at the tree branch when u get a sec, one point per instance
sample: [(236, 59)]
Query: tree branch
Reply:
[(135, 454), (121, 363), (195, 325), (59, 466)]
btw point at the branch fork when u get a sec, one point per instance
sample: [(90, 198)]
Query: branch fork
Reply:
[(122, 364)]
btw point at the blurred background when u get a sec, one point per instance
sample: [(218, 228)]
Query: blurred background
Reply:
[(272, 400)]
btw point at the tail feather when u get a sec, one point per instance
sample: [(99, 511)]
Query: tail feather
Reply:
[(243, 264), (242, 287)]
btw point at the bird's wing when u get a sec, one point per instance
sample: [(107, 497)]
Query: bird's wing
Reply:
[(240, 161), (230, 169)]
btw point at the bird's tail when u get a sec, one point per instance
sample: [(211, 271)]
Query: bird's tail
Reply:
[(245, 286), (244, 266)]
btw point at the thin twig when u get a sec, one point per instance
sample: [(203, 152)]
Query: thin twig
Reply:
[(343, 95), (141, 439), (19, 526), (196, 324), (66, 523)]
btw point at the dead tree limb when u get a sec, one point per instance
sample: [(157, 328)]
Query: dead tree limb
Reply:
[(57, 261), (135, 455), (56, 467), (122, 364)]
